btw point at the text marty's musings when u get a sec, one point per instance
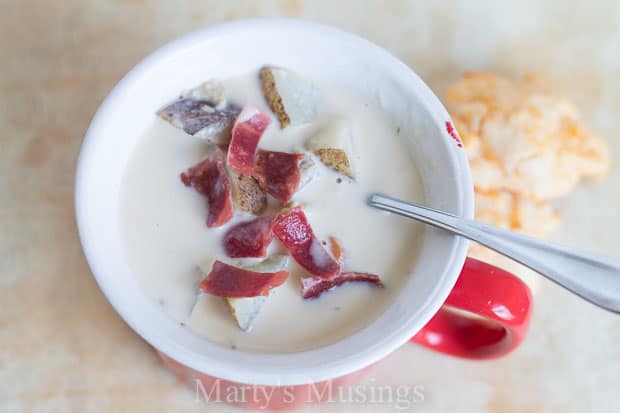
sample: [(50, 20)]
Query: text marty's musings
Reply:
[(401, 397)]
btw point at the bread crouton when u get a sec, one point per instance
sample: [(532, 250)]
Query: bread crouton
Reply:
[(335, 159), (332, 145), (203, 112), (247, 195), (245, 310), (293, 99)]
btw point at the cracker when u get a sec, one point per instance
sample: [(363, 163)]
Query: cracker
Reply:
[(522, 138), (332, 144)]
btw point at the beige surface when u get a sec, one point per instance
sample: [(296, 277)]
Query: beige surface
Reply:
[(62, 347)]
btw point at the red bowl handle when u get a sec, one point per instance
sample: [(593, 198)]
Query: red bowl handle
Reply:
[(486, 315)]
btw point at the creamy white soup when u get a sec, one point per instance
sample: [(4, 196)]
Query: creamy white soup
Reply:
[(170, 249)]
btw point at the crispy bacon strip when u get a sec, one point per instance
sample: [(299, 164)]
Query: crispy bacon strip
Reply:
[(246, 133), (210, 179), (227, 281), (278, 173), (312, 287), (250, 238), (292, 229)]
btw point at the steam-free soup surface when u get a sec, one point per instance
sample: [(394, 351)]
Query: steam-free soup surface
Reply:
[(167, 242)]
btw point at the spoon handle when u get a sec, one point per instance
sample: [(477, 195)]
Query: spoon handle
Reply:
[(594, 278)]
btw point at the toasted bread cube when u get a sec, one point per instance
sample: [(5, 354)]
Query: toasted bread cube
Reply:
[(335, 159), (293, 99), (247, 195), (211, 90), (245, 310), (332, 145), (203, 112)]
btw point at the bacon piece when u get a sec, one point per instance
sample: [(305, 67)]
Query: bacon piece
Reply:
[(292, 229), (246, 133), (227, 281), (335, 248), (312, 287), (278, 173), (210, 179), (249, 238)]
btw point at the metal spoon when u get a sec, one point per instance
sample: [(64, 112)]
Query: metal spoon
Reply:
[(594, 278)]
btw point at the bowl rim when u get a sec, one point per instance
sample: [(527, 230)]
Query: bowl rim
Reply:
[(219, 368)]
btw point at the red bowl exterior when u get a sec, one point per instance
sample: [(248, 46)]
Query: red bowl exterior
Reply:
[(500, 302)]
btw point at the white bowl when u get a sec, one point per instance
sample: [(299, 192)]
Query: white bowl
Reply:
[(236, 48)]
